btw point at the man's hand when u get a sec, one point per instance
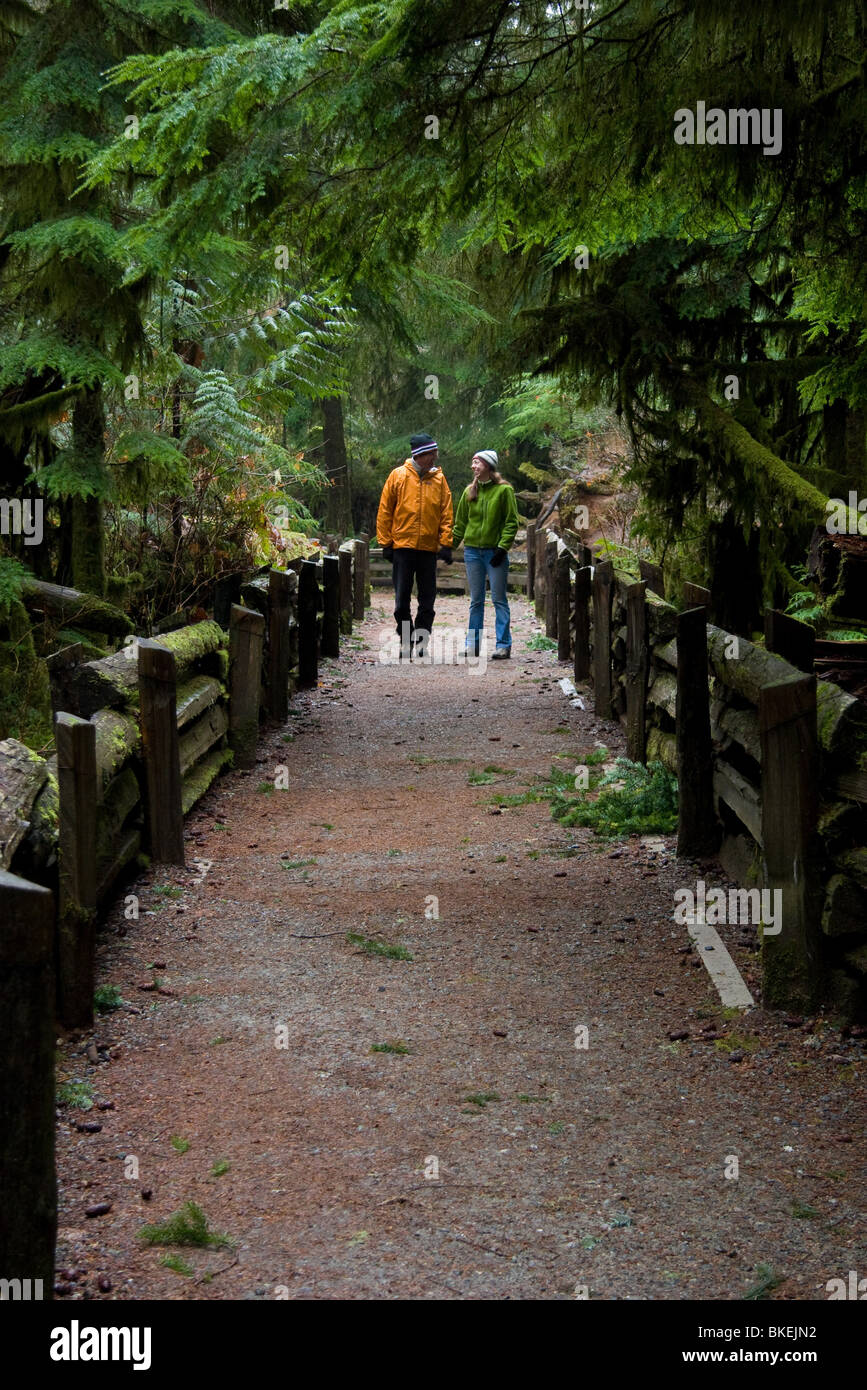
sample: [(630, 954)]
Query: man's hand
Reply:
[(445, 554), (498, 557), (388, 552)]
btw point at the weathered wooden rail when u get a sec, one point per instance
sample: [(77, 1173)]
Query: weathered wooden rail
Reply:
[(451, 579), (771, 762), (143, 736)]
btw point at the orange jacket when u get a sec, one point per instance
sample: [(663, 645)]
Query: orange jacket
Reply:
[(415, 513)]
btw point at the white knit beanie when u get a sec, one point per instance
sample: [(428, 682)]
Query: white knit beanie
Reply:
[(488, 456)]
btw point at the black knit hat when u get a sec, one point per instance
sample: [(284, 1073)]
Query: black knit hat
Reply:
[(422, 444)]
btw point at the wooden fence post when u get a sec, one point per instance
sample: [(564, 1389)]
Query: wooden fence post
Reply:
[(696, 596), (365, 554), (344, 555), (27, 1011), (157, 683), (308, 624), (227, 591), (279, 596), (331, 606), (531, 560), (794, 641), (358, 580), (564, 605), (653, 577), (696, 823), (603, 579), (75, 740), (636, 671), (246, 640), (790, 780), (581, 668), (550, 585), (540, 573)]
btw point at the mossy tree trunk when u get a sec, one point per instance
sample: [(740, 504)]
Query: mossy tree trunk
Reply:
[(88, 532), (338, 498)]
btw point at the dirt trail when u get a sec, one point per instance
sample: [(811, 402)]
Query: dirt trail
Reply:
[(600, 1167)]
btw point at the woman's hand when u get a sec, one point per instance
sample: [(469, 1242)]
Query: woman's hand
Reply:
[(498, 557)]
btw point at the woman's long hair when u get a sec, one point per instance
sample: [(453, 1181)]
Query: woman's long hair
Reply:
[(495, 477)]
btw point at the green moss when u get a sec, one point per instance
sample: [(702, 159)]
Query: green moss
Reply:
[(25, 701)]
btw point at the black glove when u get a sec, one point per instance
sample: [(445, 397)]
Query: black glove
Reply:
[(446, 554), (498, 557), (388, 552)]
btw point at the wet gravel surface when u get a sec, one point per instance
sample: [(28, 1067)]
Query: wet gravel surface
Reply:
[(497, 1156)]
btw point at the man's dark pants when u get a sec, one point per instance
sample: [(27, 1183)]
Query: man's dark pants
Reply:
[(421, 566)]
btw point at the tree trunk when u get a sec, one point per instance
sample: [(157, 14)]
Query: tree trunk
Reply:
[(338, 498), (88, 540)]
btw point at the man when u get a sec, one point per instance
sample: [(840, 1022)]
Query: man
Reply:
[(414, 527)]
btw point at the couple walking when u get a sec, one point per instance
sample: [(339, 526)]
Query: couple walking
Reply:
[(414, 526)]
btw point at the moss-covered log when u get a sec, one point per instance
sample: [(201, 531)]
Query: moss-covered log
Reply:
[(113, 682), (845, 909), (739, 725), (122, 797), (22, 775), (662, 747), (117, 740), (202, 736), (195, 696), (662, 692), (661, 620), (200, 777), (111, 866), (71, 607), (842, 720)]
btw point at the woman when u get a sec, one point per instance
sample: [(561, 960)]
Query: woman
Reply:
[(486, 522)]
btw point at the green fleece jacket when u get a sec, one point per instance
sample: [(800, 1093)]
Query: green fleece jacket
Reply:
[(490, 521)]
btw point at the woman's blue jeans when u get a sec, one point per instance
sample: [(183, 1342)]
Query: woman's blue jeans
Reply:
[(479, 568)]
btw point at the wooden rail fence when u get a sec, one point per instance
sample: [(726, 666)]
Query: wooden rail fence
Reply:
[(143, 735), (771, 762)]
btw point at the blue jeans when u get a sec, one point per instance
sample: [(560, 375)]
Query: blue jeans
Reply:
[(479, 567)]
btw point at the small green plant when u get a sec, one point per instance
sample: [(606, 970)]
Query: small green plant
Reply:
[(296, 863), (288, 738), (767, 1281), (78, 1095), (107, 998), (221, 1166), (326, 825), (215, 1042), (557, 1127), (395, 1046), (480, 779), (377, 948), (394, 853), (527, 798), (644, 801), (179, 1145), (266, 788), (189, 1226), (500, 858), (178, 1264), (167, 890), (620, 1219), (540, 643), (804, 1212), (500, 771), (588, 1242), (533, 1100), (482, 1098)]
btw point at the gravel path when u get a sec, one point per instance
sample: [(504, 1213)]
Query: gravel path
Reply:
[(494, 1158)]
